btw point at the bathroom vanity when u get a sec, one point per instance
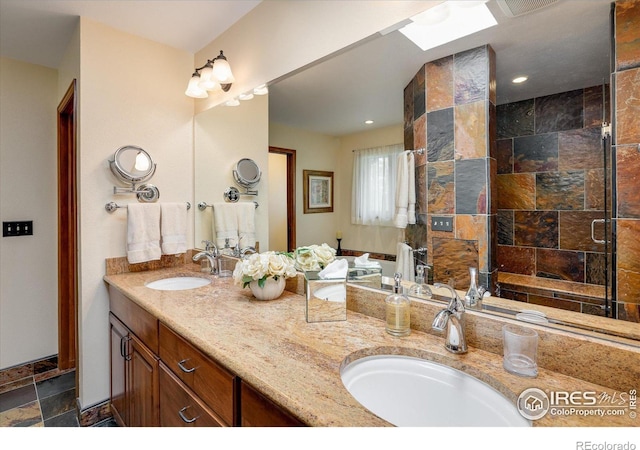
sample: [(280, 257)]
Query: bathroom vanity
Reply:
[(215, 356)]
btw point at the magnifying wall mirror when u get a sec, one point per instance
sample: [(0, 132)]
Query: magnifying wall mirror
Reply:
[(133, 165), (247, 173)]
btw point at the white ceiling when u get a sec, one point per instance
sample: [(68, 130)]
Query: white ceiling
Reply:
[(561, 47), (38, 31)]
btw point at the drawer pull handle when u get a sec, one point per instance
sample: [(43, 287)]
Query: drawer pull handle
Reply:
[(183, 368), (184, 418)]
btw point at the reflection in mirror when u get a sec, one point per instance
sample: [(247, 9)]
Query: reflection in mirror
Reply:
[(562, 48), (221, 137), (247, 173)]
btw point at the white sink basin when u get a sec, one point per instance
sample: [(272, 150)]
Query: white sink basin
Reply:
[(407, 391), (178, 283)]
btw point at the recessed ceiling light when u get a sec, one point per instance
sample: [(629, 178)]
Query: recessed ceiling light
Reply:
[(247, 96), (520, 79), (368, 122), (233, 102), (447, 22)]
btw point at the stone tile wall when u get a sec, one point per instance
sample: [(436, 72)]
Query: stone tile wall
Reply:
[(626, 148), (551, 186), (449, 108)]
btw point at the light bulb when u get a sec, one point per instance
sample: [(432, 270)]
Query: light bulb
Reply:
[(193, 90), (142, 162), (207, 81)]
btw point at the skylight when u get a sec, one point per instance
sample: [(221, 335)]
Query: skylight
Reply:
[(447, 22)]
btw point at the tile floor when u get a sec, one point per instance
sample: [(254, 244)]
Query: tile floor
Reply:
[(38, 401)]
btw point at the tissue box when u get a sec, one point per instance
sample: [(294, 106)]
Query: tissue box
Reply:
[(365, 276), (326, 298)]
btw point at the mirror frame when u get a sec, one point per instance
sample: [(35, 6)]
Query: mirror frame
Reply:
[(240, 178), (123, 174)]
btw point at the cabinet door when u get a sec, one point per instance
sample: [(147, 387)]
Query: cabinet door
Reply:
[(258, 411), (179, 407), (142, 386), (119, 349)]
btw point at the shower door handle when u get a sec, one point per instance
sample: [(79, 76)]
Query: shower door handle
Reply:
[(593, 231)]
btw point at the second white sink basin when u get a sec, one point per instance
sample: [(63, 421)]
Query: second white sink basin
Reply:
[(178, 283), (407, 391)]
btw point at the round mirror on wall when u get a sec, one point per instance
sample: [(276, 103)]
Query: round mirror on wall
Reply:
[(247, 173), (132, 164)]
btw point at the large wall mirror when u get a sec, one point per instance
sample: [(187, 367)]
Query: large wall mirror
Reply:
[(561, 48)]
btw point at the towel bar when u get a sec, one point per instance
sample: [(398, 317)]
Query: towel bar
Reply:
[(112, 206), (204, 205)]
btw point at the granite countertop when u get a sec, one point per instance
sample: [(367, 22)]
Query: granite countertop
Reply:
[(296, 364)]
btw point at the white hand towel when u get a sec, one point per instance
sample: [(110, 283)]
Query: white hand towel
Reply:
[(404, 261), (411, 195), (400, 218), (247, 224), (173, 226), (143, 232), (225, 224), (335, 269)]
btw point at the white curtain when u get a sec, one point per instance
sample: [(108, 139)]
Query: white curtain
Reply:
[(374, 185)]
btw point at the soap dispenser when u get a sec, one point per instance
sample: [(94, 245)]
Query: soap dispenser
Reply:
[(473, 298), (398, 310), (420, 287)]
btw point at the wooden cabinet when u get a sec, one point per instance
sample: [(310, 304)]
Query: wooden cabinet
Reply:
[(213, 384), (180, 407), (134, 379), (258, 411), (134, 365), (158, 378), (119, 336)]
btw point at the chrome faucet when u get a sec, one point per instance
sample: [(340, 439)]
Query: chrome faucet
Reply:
[(451, 318), (211, 253), (246, 250)]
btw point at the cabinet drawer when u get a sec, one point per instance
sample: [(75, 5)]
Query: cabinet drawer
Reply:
[(208, 380), (138, 320), (259, 411), (181, 408)]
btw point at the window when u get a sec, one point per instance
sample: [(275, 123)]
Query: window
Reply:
[(374, 185)]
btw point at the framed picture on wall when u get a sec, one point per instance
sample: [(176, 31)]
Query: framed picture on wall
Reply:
[(317, 188)]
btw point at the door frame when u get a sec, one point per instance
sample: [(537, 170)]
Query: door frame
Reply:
[(67, 230), (291, 193)]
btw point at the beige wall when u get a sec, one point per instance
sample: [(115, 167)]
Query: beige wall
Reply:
[(28, 160), (121, 104)]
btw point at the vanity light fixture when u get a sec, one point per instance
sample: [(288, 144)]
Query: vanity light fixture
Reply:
[(261, 90), (520, 79), (216, 73)]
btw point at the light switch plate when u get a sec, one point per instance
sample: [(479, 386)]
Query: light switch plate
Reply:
[(439, 223), (17, 228)]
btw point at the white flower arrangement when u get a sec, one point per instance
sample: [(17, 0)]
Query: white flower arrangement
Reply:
[(260, 266), (314, 257)]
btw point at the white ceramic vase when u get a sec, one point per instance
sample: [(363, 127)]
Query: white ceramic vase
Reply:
[(272, 289)]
